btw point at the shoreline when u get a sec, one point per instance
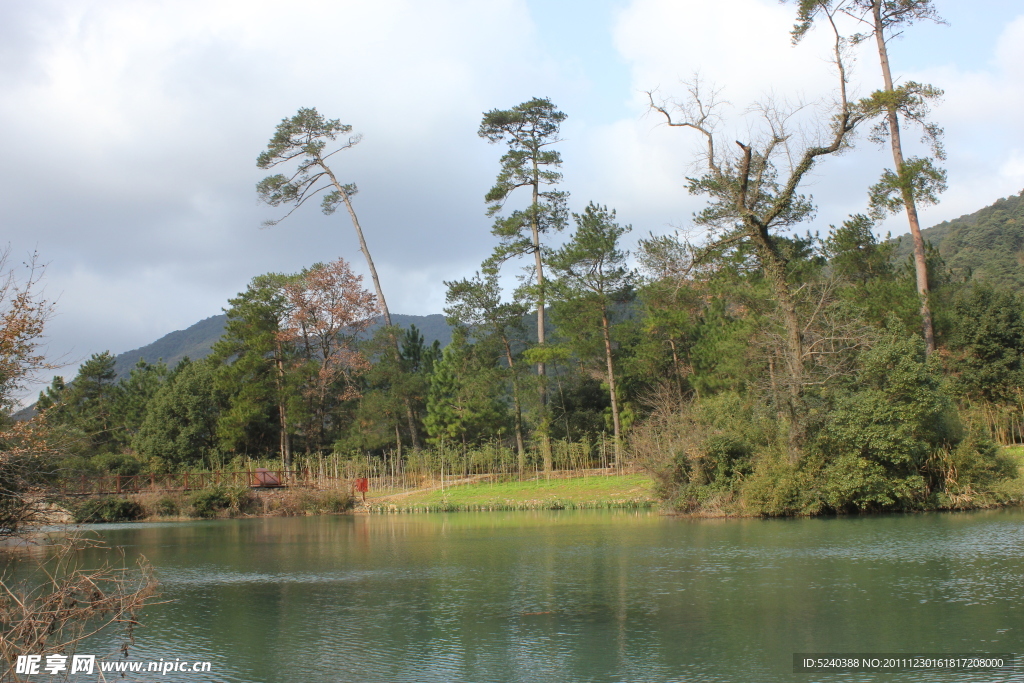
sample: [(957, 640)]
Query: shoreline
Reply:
[(627, 491)]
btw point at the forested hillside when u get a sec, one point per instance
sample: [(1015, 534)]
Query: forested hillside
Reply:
[(987, 245)]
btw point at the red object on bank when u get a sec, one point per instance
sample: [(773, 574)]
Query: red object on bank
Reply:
[(266, 479), (362, 485)]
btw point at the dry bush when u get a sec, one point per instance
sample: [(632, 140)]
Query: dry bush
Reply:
[(667, 442), (297, 502), (29, 461), (60, 603)]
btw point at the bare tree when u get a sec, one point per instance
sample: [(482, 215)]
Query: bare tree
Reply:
[(59, 603), (753, 190)]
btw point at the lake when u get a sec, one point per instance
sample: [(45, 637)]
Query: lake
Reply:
[(575, 596)]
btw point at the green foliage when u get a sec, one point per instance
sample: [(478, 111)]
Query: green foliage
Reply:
[(873, 287), (209, 502), (97, 414), (89, 402), (303, 138), (778, 488), (167, 506), (213, 501), (893, 416), (579, 404), (852, 483), (528, 129), (250, 359), (919, 178), (133, 397), (987, 344), (463, 404), (377, 419), (180, 425), (117, 463), (986, 246), (417, 357), (106, 509), (51, 399)]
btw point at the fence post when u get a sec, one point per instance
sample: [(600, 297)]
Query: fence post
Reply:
[(186, 481), (119, 484)]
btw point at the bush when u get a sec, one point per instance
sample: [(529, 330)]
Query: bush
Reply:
[(851, 483), (210, 502), (106, 509), (778, 488), (167, 506), (335, 501)]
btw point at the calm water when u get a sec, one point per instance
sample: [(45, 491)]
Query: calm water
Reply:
[(575, 596)]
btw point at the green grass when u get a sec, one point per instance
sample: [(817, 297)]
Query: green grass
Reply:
[(597, 492), (1015, 453)]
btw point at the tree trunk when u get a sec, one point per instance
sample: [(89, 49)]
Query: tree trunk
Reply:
[(605, 329), (520, 446), (920, 264), (410, 418), (545, 426), (774, 265), (282, 411), (675, 365)]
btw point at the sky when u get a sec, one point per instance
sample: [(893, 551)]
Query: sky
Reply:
[(131, 128)]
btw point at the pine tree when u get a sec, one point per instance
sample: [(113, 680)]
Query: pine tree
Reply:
[(528, 129), (592, 278)]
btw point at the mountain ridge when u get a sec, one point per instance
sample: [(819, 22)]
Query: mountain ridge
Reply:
[(196, 341)]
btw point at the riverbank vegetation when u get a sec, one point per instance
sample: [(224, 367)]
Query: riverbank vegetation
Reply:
[(219, 501)]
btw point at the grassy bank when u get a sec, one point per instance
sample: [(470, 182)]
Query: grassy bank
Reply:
[(575, 493)]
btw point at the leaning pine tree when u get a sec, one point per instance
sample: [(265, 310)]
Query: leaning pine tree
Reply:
[(304, 138)]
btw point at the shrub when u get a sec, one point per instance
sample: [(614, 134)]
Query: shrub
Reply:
[(210, 502), (777, 488), (851, 483), (167, 506), (337, 500), (106, 509)]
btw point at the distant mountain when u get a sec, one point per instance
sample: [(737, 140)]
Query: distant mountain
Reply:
[(988, 244), (195, 342)]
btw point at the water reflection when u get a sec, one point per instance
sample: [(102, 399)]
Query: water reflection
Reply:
[(575, 596)]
